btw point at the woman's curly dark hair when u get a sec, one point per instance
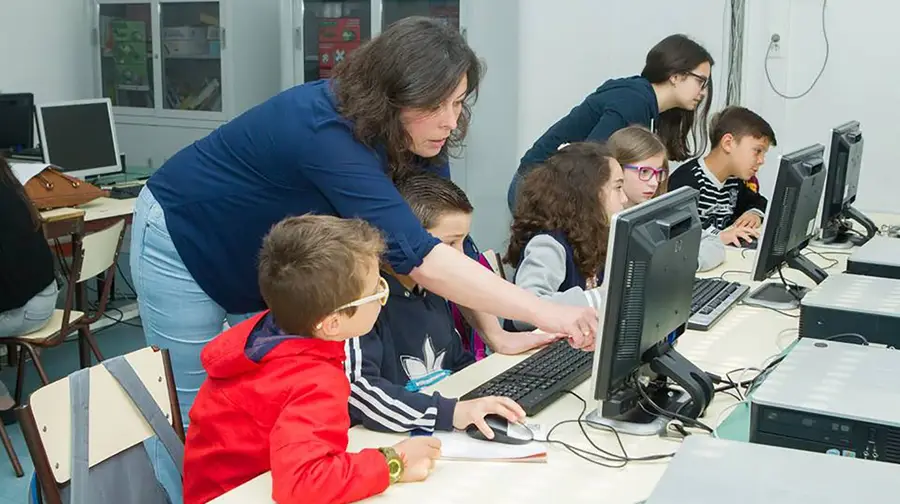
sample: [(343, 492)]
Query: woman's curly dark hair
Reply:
[(415, 64), (563, 194)]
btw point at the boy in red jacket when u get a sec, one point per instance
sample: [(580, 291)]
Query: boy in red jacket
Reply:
[(276, 393)]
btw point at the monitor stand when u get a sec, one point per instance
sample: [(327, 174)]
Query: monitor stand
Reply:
[(839, 235), (780, 296), (640, 419), (629, 412)]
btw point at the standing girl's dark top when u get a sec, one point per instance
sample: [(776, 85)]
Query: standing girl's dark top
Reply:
[(674, 83)]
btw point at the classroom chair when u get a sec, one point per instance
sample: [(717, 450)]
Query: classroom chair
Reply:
[(86, 432), (494, 261), (91, 255), (6, 404)]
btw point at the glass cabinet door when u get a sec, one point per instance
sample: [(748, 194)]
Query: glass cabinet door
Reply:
[(126, 54), (191, 49), (445, 10), (331, 30)]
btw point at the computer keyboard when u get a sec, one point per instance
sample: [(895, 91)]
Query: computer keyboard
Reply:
[(125, 192), (541, 379), (712, 298)]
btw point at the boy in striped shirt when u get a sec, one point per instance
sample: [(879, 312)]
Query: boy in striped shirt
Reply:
[(730, 205)]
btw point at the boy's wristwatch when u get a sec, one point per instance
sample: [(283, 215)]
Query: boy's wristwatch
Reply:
[(394, 463)]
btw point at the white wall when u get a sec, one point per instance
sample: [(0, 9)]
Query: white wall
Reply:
[(859, 82), (45, 49), (491, 151), (543, 58)]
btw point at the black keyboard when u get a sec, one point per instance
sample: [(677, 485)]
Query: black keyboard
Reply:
[(125, 192), (712, 298), (541, 379)]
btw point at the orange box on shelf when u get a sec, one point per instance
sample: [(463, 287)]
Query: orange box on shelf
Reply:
[(345, 29)]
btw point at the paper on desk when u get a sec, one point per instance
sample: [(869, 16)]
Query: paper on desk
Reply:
[(459, 446), (25, 171)]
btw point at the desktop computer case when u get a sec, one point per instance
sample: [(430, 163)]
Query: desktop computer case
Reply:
[(879, 257), (832, 398), (845, 305)]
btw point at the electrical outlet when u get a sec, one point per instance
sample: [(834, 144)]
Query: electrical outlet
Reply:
[(775, 51)]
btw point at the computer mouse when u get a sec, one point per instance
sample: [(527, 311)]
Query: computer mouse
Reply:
[(750, 244), (504, 432)]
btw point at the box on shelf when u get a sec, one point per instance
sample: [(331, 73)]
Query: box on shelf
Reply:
[(332, 53), (345, 29), (185, 48), (184, 33), (134, 76), (128, 31)]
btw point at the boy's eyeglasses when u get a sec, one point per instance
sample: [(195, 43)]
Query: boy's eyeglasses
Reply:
[(645, 173), (381, 295), (704, 80)]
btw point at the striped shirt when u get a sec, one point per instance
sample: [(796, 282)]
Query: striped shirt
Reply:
[(720, 203)]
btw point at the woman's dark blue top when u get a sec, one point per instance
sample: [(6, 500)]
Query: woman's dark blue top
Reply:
[(291, 155)]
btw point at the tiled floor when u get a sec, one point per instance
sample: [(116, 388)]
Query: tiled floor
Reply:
[(59, 362)]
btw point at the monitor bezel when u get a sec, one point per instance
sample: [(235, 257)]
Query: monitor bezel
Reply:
[(601, 374), (29, 99), (88, 172), (785, 162), (838, 134)]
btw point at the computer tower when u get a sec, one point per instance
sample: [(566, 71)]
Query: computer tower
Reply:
[(853, 304), (833, 398), (879, 257), (707, 470)]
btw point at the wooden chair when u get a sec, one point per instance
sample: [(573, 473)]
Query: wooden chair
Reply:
[(91, 255), (6, 404), (114, 421)]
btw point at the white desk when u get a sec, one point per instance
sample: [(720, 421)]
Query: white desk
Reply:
[(745, 337)]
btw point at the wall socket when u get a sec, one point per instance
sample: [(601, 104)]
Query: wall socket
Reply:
[(776, 51)]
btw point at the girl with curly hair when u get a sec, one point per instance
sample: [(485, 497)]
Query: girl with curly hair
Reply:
[(561, 225)]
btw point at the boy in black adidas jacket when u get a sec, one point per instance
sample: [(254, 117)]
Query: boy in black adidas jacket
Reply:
[(730, 205), (414, 343)]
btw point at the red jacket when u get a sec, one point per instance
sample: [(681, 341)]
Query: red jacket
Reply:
[(286, 413)]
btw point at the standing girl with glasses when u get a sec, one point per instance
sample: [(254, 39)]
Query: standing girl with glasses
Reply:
[(675, 83), (642, 155)]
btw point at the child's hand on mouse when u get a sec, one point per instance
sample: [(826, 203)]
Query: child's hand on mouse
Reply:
[(473, 412), (735, 235), (418, 454), (510, 343)]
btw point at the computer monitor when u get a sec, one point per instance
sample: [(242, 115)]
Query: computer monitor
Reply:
[(789, 226), (844, 165), (79, 137), (16, 122), (649, 276)]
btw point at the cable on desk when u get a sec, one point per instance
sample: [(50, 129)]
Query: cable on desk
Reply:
[(832, 261), (674, 415), (837, 337), (599, 457), (776, 310), (729, 272)]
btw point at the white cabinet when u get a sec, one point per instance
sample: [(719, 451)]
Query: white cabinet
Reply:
[(316, 34), (177, 69)]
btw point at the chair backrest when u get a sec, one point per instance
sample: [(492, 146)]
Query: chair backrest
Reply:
[(115, 423), (100, 250), (493, 259)]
